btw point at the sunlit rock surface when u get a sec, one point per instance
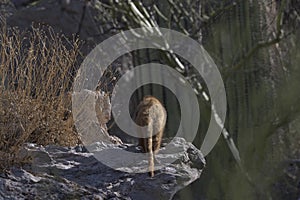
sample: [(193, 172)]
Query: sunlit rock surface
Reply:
[(73, 173)]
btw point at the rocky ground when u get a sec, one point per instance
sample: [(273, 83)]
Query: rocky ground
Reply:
[(73, 173)]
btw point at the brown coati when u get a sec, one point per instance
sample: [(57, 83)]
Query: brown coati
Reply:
[(150, 112)]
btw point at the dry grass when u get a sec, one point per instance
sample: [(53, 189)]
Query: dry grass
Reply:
[(36, 75)]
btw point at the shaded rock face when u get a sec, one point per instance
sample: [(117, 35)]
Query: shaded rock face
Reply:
[(63, 15), (70, 17), (73, 173), (7, 8)]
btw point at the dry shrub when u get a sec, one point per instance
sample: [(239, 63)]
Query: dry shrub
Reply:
[(36, 75)]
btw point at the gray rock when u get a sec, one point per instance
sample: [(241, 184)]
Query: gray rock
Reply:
[(7, 9), (73, 173), (53, 13), (22, 3), (81, 17)]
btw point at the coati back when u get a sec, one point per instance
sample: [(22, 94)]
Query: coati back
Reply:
[(150, 112)]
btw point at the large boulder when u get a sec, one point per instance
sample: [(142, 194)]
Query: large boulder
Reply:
[(86, 19), (7, 8), (63, 15), (73, 173)]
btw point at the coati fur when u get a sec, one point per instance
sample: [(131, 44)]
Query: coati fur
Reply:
[(150, 112)]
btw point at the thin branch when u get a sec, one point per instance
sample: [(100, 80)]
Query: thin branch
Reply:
[(82, 17)]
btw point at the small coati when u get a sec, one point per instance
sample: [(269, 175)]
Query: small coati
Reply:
[(150, 112)]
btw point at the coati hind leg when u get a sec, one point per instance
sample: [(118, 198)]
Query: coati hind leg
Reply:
[(150, 157), (147, 147)]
